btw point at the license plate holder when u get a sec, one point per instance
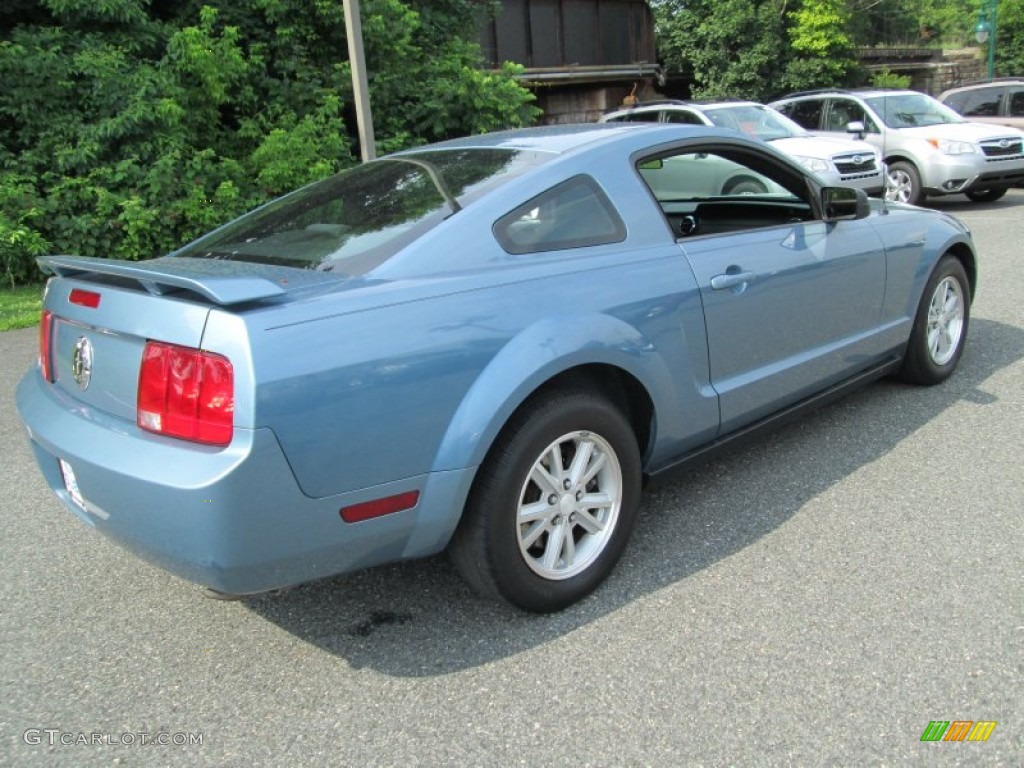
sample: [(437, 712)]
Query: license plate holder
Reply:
[(71, 485)]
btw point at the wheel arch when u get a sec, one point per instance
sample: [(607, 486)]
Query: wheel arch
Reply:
[(740, 178), (617, 385), (901, 157), (622, 365), (966, 257)]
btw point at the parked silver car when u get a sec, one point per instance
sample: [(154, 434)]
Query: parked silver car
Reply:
[(837, 161), (929, 148), (999, 101)]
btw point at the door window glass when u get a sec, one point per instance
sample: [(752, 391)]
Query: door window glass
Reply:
[(807, 113)]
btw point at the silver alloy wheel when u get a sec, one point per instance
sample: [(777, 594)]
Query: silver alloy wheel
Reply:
[(945, 321), (569, 505), (900, 187)]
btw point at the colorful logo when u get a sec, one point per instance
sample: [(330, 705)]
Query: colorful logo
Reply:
[(958, 730)]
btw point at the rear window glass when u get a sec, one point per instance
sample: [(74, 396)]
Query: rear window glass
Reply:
[(356, 220)]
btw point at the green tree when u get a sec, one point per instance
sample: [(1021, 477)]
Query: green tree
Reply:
[(756, 50), (127, 127), (821, 51), (730, 48), (1010, 38)]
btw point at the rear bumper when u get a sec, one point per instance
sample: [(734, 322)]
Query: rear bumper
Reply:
[(232, 519)]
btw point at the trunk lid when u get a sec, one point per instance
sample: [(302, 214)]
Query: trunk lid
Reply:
[(104, 311)]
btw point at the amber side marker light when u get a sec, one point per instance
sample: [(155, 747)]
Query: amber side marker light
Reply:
[(379, 507)]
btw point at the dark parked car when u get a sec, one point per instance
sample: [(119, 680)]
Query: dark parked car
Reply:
[(1000, 102), (483, 345)]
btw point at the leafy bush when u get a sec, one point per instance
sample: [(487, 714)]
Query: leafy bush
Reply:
[(883, 78), (20, 239)]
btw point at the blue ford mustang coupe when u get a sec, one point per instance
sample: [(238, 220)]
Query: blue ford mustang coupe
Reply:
[(484, 345)]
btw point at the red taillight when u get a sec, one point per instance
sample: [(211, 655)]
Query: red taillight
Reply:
[(186, 393), (378, 507), (89, 299), (45, 331)]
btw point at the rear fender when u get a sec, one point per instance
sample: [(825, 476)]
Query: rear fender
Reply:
[(535, 356)]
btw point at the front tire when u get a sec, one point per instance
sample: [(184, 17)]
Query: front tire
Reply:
[(940, 326), (904, 184), (986, 195), (553, 505), (744, 185)]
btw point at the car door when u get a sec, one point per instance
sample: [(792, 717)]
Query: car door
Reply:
[(791, 303), (1015, 106)]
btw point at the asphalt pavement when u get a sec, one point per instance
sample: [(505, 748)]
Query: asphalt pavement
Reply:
[(814, 599)]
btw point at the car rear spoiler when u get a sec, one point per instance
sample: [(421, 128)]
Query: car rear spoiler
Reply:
[(159, 278)]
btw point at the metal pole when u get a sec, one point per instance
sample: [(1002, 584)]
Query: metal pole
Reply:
[(360, 87), (993, 8)]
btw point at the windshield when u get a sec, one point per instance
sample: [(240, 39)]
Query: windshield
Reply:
[(910, 110), (359, 218), (755, 120)]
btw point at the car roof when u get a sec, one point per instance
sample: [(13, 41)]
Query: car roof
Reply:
[(983, 83), (671, 103), (725, 103), (848, 92), (975, 85), (557, 139)]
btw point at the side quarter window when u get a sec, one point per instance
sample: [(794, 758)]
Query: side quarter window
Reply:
[(574, 214), (645, 116), (682, 116)]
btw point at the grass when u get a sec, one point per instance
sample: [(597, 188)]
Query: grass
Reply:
[(20, 307)]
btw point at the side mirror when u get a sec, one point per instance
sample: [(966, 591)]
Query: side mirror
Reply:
[(842, 203), (856, 127)]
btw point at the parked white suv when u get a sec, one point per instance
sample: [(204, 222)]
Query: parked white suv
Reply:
[(838, 161), (929, 148)]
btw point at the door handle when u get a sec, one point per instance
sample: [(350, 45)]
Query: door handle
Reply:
[(730, 280)]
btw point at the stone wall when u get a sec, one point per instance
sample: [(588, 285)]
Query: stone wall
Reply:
[(931, 71)]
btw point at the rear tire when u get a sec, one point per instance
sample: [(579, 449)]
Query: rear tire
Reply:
[(940, 326), (986, 195), (553, 504)]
